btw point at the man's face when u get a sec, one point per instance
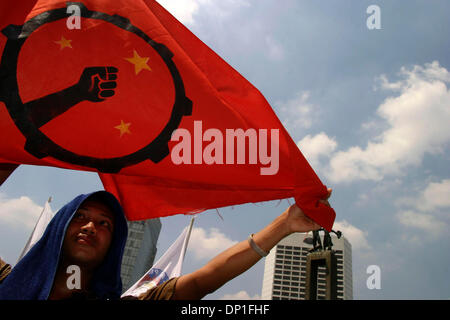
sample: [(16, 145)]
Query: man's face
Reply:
[(89, 235)]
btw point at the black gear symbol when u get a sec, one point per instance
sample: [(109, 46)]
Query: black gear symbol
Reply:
[(37, 143)]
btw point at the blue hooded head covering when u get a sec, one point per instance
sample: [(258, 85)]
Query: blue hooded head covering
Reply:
[(32, 278)]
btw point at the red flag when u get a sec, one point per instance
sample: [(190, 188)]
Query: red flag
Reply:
[(124, 89)]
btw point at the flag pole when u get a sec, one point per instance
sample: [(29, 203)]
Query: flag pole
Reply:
[(168, 266), (188, 235), (27, 245)]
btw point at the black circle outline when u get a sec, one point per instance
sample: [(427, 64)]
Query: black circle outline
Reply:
[(37, 143)]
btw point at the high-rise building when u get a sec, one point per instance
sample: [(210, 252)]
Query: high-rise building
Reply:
[(140, 250), (285, 270)]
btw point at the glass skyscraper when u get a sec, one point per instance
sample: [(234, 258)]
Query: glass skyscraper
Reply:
[(140, 250)]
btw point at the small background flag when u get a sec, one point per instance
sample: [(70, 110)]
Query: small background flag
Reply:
[(44, 219), (167, 267)]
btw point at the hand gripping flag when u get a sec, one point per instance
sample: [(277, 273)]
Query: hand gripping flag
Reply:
[(167, 267), (124, 89)]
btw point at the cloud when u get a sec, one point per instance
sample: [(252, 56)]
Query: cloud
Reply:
[(316, 147), (19, 212), (417, 123), (422, 212), (206, 245), (421, 221), (356, 237), (297, 113), (435, 196), (185, 10), (241, 295)]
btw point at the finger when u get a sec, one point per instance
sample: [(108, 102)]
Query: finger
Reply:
[(112, 76), (101, 71), (325, 202), (95, 79), (314, 225), (108, 85), (106, 93), (112, 70)]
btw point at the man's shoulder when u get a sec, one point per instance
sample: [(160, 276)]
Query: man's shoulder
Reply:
[(163, 291), (5, 270)]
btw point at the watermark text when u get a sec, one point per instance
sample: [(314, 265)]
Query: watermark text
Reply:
[(374, 20), (235, 147), (374, 280)]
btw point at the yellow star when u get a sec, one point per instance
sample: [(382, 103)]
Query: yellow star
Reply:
[(139, 62), (64, 43), (123, 128)]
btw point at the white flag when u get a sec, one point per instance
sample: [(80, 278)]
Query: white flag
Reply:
[(44, 219), (167, 267)]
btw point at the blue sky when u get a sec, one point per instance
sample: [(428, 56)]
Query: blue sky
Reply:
[(369, 110)]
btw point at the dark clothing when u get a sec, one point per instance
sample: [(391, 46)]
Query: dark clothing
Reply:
[(164, 291)]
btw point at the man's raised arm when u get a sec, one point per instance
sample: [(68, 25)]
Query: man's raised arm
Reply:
[(240, 257)]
